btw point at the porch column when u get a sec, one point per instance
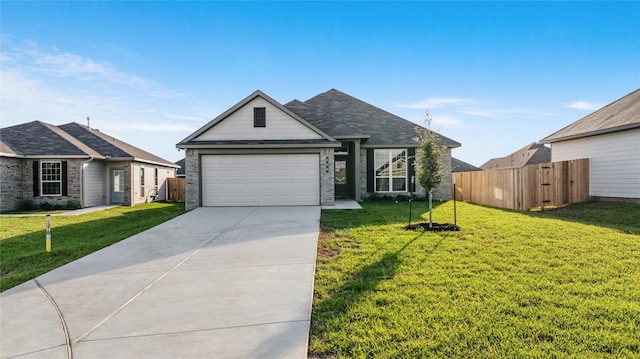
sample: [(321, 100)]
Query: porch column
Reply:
[(356, 167)]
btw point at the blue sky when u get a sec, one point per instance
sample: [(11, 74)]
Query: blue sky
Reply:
[(494, 76)]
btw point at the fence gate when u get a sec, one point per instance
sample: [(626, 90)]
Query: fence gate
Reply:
[(176, 189)]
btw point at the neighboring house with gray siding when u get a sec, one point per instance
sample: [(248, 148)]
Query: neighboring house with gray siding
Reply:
[(41, 162), (261, 152), (610, 139)]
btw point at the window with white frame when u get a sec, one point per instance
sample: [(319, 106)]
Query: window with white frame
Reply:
[(142, 182), (51, 178), (390, 170)]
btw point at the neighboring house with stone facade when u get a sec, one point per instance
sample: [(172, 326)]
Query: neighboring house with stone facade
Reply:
[(73, 163), (261, 152)]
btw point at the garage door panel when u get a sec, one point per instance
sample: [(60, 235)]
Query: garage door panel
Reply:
[(260, 180)]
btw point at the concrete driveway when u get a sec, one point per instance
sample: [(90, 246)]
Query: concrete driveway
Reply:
[(234, 282)]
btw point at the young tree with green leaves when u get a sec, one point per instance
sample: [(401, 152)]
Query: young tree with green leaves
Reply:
[(428, 164)]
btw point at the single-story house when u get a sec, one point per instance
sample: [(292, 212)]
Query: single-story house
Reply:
[(610, 139), (458, 165), (261, 152), (531, 154), (73, 163)]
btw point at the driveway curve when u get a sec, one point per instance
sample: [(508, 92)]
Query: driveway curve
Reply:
[(219, 282)]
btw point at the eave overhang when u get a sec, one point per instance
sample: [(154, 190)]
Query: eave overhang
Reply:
[(551, 139)]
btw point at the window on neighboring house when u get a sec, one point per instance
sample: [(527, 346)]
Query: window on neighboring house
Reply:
[(156, 177), (51, 178), (142, 182), (390, 170), (259, 117)]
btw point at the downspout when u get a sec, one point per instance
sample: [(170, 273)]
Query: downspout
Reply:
[(82, 179)]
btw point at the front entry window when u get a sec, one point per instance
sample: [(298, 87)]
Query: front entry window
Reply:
[(390, 170), (118, 181), (341, 172)]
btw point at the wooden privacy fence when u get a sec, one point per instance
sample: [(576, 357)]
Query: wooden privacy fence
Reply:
[(545, 184), (176, 189)]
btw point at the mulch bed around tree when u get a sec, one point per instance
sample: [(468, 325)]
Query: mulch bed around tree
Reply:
[(435, 227)]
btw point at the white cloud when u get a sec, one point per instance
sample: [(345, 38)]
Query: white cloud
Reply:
[(480, 113), (524, 111), (185, 117), (59, 87), (437, 102), (584, 105), (448, 121), (148, 127)]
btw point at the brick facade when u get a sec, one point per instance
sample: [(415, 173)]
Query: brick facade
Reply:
[(192, 172), (11, 183), (327, 177), (17, 183)]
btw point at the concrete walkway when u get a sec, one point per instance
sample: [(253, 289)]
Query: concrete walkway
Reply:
[(75, 212), (212, 283), (344, 204)]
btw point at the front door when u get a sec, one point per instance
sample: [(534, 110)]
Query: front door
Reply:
[(117, 186), (341, 177)]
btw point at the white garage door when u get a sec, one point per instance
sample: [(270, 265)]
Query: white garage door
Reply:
[(260, 180)]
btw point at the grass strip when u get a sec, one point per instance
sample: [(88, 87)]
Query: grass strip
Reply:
[(558, 283), (22, 239)]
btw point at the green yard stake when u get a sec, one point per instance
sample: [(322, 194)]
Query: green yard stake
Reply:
[(48, 233)]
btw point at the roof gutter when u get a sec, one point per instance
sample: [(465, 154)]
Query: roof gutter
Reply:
[(57, 157), (227, 146), (121, 159), (590, 134)]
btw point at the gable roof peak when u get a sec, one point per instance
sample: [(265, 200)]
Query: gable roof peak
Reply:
[(241, 104)]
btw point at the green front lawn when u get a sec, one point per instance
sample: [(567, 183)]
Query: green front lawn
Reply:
[(560, 283), (22, 239)]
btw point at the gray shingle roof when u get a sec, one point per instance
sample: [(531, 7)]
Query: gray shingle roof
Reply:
[(39, 139), (530, 154), (462, 166), (6, 150), (324, 121), (108, 145), (383, 128), (619, 115), (70, 140)]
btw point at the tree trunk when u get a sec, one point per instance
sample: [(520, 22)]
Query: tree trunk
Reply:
[(430, 211)]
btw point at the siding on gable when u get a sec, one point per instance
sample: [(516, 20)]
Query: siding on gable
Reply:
[(239, 126), (614, 162), (94, 184)]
